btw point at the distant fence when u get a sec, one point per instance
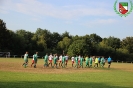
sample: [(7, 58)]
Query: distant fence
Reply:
[(4, 54), (41, 57), (19, 56)]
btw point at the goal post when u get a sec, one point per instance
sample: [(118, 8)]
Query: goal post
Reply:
[(5, 54)]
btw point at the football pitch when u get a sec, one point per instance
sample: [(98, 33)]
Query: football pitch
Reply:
[(14, 75)]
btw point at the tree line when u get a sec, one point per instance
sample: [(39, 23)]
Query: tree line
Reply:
[(44, 41)]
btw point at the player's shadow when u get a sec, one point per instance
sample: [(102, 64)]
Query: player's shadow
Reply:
[(55, 84)]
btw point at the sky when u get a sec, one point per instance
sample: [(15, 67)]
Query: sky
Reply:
[(78, 17)]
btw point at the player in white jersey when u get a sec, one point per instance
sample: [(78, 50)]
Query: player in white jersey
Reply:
[(25, 59), (79, 60), (32, 61), (50, 59), (72, 61), (66, 59), (60, 60)]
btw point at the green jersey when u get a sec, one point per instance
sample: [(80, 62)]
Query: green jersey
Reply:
[(87, 60), (26, 57), (90, 60), (76, 59), (81, 60), (102, 60), (55, 59), (46, 58), (35, 57), (63, 59)]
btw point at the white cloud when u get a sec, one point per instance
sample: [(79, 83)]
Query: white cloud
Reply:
[(128, 19), (100, 22), (3, 11), (36, 8), (35, 19)]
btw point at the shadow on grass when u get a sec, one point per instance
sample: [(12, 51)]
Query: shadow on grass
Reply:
[(55, 84)]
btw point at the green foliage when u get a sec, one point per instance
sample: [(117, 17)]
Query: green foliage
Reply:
[(127, 43), (76, 48), (44, 41), (4, 37), (64, 44), (112, 42)]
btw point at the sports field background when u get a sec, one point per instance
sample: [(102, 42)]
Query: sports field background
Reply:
[(14, 75)]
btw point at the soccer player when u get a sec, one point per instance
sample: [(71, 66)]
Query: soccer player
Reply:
[(109, 62), (25, 59), (35, 59), (60, 60), (99, 60), (76, 60), (72, 61), (46, 60), (63, 61), (81, 61), (87, 61), (32, 61), (90, 65), (50, 59), (66, 57), (55, 60), (96, 62), (102, 62)]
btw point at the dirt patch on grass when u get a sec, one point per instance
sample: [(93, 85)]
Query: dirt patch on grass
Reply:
[(15, 65)]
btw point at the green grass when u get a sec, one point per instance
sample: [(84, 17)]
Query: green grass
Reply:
[(14, 76)]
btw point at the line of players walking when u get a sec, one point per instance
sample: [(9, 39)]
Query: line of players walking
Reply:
[(61, 61)]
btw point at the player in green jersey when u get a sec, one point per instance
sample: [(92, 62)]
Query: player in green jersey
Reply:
[(55, 60), (25, 60), (90, 65), (35, 59), (102, 61), (63, 61), (46, 60), (87, 61), (81, 61), (76, 61)]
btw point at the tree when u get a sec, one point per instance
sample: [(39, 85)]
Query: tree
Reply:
[(40, 39), (41, 43), (56, 37), (47, 36), (66, 34), (122, 54), (112, 42), (4, 36), (95, 38), (64, 44), (76, 48), (80, 45), (104, 50), (127, 43), (17, 44), (26, 40)]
